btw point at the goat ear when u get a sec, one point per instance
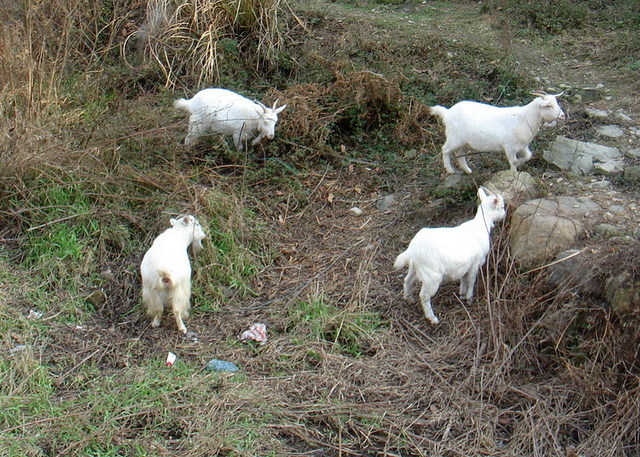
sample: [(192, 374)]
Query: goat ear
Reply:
[(482, 193), (280, 109), (187, 220)]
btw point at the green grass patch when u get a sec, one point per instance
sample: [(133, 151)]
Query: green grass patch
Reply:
[(347, 332)]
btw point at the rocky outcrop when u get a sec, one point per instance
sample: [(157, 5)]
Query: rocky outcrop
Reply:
[(542, 228), (584, 158), (515, 187)]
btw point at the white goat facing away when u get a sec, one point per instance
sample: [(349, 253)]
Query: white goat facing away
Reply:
[(166, 271), (442, 254), (486, 128), (228, 113)]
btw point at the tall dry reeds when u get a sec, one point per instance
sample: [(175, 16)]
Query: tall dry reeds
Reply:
[(192, 36)]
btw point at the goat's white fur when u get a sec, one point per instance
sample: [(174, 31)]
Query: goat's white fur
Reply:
[(166, 271), (442, 254), (486, 128), (228, 113)]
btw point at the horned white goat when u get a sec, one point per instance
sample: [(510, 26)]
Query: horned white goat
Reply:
[(486, 128), (442, 254), (228, 113), (166, 271)]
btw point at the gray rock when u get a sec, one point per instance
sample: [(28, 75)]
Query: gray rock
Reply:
[(597, 113), (632, 173), (581, 158), (544, 227), (634, 153), (609, 230), (515, 187), (589, 94), (573, 270), (603, 184), (611, 131), (623, 293), (410, 154), (452, 180), (385, 203), (623, 117)]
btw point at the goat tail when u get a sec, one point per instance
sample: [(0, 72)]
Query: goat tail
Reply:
[(165, 280), (183, 104), (439, 111), (401, 261)]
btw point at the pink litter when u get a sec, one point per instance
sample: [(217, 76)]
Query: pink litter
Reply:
[(257, 332)]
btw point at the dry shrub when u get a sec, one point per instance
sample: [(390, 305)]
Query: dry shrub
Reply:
[(307, 119), (189, 36), (354, 103), (375, 97), (410, 130)]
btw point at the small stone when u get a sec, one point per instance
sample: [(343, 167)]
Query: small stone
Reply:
[(589, 94), (632, 173), (596, 113), (385, 203), (410, 154), (608, 230), (611, 131), (107, 274), (623, 117), (452, 180), (96, 298), (356, 211), (603, 184)]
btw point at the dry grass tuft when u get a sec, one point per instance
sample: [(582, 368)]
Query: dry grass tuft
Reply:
[(354, 103), (195, 37)]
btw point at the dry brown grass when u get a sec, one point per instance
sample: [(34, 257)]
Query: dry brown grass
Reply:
[(526, 370), (187, 37)]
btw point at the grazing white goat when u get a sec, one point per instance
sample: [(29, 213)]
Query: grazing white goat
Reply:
[(166, 271), (225, 112), (486, 128), (442, 254)]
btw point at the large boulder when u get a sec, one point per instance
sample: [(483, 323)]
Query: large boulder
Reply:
[(515, 187), (604, 271), (542, 228), (575, 269), (583, 158)]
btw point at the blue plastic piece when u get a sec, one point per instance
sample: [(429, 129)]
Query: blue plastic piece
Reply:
[(221, 365)]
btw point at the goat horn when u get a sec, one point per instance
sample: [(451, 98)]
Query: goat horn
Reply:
[(275, 103), (261, 105)]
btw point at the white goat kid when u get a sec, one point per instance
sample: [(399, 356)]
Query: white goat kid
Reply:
[(166, 271), (486, 128), (442, 254), (228, 113)]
